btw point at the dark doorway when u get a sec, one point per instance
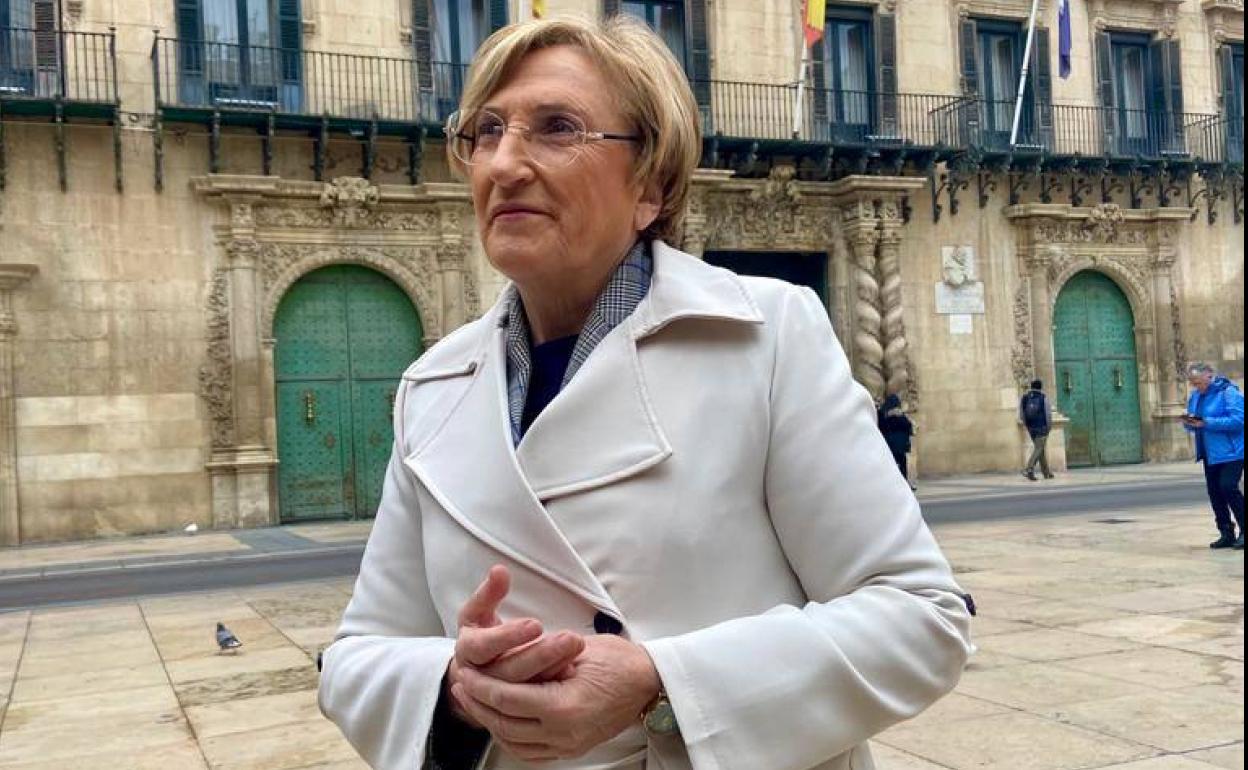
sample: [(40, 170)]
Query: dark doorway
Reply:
[(804, 268)]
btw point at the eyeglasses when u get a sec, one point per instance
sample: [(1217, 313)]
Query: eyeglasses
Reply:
[(551, 140)]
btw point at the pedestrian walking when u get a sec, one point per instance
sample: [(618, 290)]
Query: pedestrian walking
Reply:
[(1215, 416), (898, 430), (1034, 413)]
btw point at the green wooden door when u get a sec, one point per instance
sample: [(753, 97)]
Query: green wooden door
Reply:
[(1097, 381), (343, 334)]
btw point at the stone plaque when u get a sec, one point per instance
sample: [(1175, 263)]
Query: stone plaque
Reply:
[(961, 324), (967, 299)]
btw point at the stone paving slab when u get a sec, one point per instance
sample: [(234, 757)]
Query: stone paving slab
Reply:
[(1101, 646)]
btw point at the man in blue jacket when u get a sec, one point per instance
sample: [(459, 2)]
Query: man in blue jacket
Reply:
[(1215, 415)]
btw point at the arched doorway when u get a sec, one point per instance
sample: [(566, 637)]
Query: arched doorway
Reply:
[(343, 336), (1097, 378)]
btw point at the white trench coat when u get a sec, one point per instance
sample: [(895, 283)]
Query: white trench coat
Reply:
[(713, 478)]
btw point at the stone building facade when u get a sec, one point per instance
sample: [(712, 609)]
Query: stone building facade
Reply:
[(200, 256)]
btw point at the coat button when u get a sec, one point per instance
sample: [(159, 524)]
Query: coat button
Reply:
[(606, 624)]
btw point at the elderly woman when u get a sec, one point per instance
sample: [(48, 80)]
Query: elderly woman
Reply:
[(638, 515)]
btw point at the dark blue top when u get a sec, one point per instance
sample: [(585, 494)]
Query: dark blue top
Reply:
[(550, 363)]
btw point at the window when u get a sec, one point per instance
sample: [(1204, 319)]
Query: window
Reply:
[(1131, 88), (447, 34), (1000, 56), (240, 52), (458, 29), (667, 18), (1141, 89), (849, 68), (16, 46)]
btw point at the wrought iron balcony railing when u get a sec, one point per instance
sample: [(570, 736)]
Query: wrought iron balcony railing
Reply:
[(870, 119), (55, 65), (202, 75), (857, 118)]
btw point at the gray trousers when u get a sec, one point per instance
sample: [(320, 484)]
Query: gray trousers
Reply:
[(1038, 455)]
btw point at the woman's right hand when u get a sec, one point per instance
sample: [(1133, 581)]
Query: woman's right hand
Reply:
[(515, 651)]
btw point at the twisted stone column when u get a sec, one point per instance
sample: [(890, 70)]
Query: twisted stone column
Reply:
[(896, 361), (862, 234)]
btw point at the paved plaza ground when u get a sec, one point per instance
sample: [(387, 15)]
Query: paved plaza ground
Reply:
[(1108, 640)]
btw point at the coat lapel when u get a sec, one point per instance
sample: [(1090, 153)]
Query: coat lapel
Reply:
[(468, 465)]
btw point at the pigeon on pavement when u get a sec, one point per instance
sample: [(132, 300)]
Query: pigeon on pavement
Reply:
[(226, 639)]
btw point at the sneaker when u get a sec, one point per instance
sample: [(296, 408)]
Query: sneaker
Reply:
[(1226, 541), (1048, 476)]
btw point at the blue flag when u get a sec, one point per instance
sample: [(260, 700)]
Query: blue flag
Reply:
[(1063, 38)]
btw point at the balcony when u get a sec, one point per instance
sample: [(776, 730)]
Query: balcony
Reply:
[(58, 73), (873, 124), (197, 80)]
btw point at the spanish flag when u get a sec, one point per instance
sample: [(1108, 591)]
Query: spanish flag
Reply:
[(813, 20), (539, 8)]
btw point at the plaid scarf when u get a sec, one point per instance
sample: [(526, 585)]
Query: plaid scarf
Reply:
[(619, 298)]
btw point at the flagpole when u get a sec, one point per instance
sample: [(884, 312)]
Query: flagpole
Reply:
[(801, 86), (1022, 76)]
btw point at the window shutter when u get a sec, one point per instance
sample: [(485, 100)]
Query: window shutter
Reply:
[(1042, 94), (1165, 89), (818, 103), (290, 40), (970, 59), (1174, 93), (610, 8), (886, 44), (1226, 76), (1105, 88), (498, 14), (699, 53), (46, 57), (1174, 78), (423, 45)]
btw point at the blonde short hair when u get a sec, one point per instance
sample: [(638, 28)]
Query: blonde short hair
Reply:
[(652, 90)]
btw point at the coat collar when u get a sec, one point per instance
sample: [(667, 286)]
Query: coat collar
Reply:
[(686, 287), (600, 430)]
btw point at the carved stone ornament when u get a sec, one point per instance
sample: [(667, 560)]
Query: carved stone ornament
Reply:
[(957, 265), (779, 219), (216, 376), (1103, 222), (351, 198), (1022, 358)]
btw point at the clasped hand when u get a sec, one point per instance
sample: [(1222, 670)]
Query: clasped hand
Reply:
[(543, 697)]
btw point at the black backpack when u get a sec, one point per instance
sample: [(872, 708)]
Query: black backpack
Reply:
[(1033, 410)]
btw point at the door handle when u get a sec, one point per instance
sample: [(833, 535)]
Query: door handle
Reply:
[(1067, 384), (309, 407), (1118, 383)]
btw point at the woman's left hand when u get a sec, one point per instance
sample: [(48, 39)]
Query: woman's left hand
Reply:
[(614, 682)]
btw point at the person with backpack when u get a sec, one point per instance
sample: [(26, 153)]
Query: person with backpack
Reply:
[(1033, 412), (1215, 416), (897, 429)]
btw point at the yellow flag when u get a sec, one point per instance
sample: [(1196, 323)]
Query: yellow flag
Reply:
[(539, 8), (814, 19)]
